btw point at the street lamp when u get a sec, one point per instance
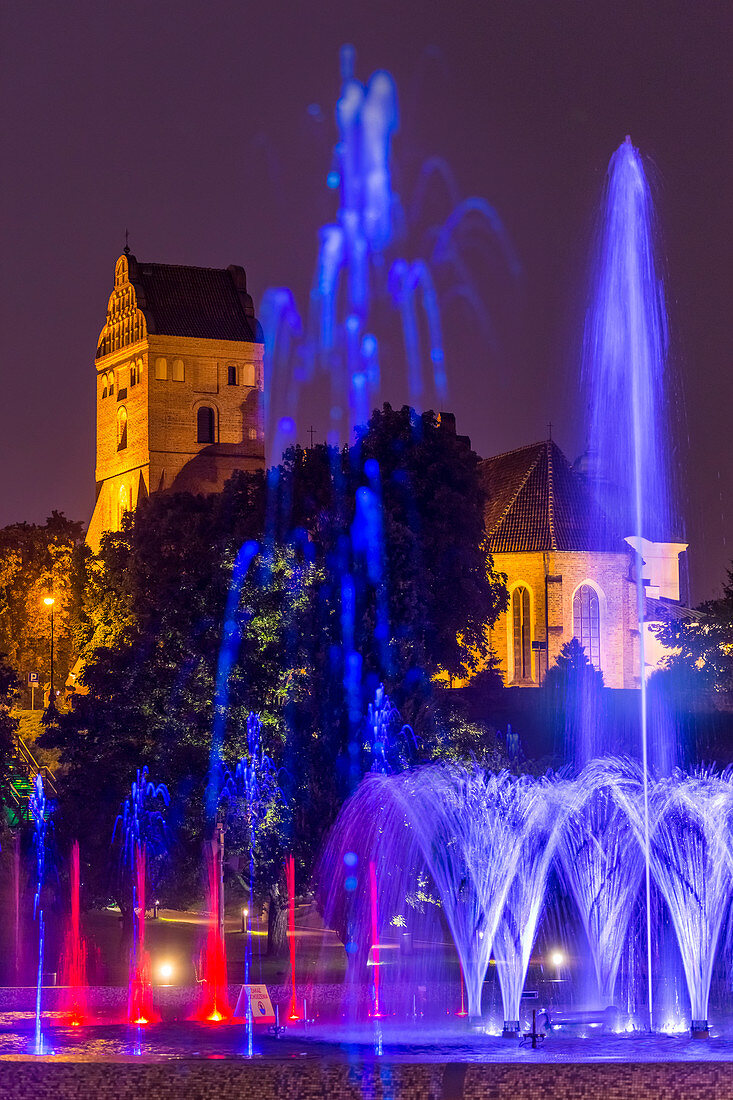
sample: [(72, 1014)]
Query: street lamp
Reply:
[(49, 602)]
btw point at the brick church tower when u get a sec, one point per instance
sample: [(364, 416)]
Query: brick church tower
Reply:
[(179, 386)]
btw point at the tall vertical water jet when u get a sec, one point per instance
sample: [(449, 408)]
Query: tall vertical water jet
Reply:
[(625, 353), (214, 1005), (74, 954), (143, 836), (38, 811)]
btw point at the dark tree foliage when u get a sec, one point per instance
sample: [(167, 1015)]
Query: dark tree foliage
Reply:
[(8, 724), (391, 528), (573, 672), (36, 561), (704, 645), (573, 691)]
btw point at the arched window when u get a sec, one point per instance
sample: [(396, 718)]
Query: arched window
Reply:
[(104, 385), (587, 622), (205, 424), (177, 370), (161, 369), (110, 383), (522, 634), (121, 428), (231, 375)]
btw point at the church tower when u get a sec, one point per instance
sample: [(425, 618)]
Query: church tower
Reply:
[(179, 386)]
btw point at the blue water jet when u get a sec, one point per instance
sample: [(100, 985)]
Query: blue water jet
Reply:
[(359, 273)]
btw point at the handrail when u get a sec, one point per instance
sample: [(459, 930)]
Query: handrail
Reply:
[(42, 769)]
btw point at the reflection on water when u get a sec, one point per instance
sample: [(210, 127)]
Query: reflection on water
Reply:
[(164, 1042)]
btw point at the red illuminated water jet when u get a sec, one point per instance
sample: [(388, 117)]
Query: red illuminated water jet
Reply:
[(290, 877), (376, 1011), (214, 1007), (140, 1008), (74, 955)]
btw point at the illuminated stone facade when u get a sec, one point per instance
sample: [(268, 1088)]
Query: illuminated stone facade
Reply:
[(567, 576), (179, 386)]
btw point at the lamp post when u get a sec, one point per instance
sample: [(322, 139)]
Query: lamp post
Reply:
[(49, 602)]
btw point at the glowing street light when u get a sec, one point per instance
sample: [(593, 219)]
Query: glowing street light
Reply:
[(49, 602)]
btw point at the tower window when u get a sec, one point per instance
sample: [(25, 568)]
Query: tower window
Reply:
[(121, 428), (104, 385), (177, 370), (231, 375), (522, 634), (161, 369), (205, 424), (110, 383), (587, 622)]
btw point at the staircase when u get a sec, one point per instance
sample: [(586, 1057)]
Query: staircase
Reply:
[(23, 770)]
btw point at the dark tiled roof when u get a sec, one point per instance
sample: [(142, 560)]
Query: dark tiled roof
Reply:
[(206, 302), (666, 610), (537, 502)]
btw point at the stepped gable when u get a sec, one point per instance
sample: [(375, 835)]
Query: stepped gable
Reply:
[(201, 302), (536, 502)]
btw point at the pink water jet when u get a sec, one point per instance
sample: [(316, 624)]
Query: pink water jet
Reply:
[(140, 1009), (377, 1011), (214, 1006), (290, 877), (74, 954)]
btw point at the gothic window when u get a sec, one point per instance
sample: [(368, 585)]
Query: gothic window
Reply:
[(110, 383), (177, 371), (121, 428), (587, 622), (522, 634), (231, 375), (205, 425), (104, 385), (161, 369)]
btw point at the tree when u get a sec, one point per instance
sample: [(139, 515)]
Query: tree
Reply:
[(573, 690), (291, 596), (8, 724), (702, 648), (36, 561)]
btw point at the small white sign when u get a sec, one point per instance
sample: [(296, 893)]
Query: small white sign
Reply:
[(262, 1010)]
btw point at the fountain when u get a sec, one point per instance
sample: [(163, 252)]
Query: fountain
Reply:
[(441, 879), (359, 277), (142, 833), (214, 1006), (74, 953), (38, 811)]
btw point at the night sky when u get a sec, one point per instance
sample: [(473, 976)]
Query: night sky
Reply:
[(196, 125)]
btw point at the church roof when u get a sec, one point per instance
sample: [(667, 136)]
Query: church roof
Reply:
[(206, 302), (537, 502)]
